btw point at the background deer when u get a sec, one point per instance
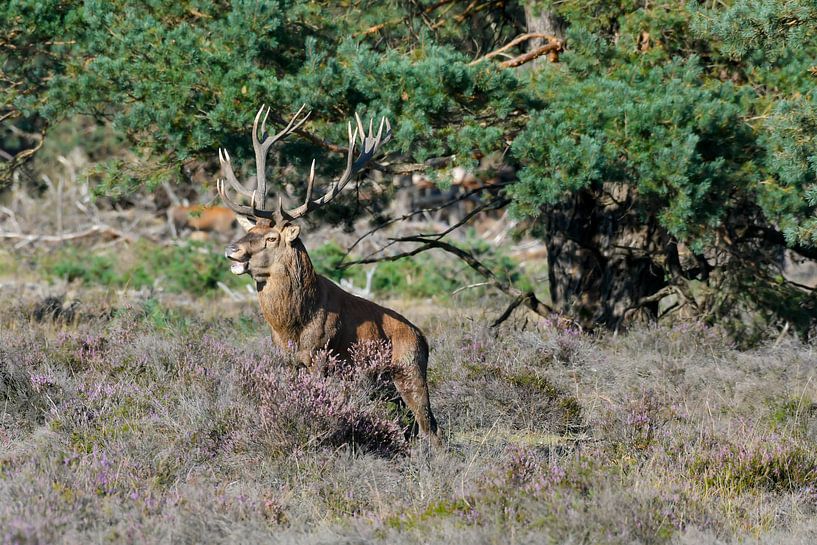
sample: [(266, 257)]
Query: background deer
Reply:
[(200, 219), (306, 311)]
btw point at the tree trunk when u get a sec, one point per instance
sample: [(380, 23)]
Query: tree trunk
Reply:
[(542, 21), (599, 257)]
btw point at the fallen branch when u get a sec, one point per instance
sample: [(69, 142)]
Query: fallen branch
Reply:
[(91, 231)]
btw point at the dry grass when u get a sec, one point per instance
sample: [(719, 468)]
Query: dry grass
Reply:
[(153, 423)]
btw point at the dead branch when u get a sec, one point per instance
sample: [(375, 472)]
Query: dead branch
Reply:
[(514, 304), (469, 287), (410, 215), (18, 160), (380, 26), (513, 43), (404, 168), (519, 297), (492, 205), (666, 291), (552, 47), (433, 240), (103, 230)]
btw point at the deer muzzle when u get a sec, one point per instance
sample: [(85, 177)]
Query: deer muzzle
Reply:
[(239, 267), (240, 260)]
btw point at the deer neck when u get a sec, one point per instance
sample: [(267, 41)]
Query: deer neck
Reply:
[(289, 296)]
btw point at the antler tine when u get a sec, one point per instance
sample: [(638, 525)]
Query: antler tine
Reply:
[(260, 111), (227, 172), (292, 126), (310, 182), (369, 144), (261, 148), (372, 143), (237, 208), (263, 125), (280, 214), (360, 130), (247, 211)]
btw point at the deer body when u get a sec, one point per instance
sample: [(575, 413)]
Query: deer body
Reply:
[(307, 312)]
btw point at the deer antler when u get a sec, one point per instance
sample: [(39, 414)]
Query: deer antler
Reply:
[(370, 144), (259, 196), (257, 209)]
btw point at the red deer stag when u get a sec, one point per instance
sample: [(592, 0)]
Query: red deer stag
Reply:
[(306, 311), (201, 219)]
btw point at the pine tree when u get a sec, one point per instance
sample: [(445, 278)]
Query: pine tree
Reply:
[(667, 159)]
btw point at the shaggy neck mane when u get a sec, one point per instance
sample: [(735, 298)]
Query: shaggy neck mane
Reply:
[(290, 295)]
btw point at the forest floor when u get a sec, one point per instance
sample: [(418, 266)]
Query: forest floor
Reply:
[(159, 419)]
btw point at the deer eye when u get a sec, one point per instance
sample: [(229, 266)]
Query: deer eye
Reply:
[(272, 237)]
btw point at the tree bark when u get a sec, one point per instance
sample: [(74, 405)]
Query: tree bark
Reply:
[(541, 21), (600, 264)]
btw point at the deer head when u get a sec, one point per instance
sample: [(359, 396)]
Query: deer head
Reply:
[(272, 239)]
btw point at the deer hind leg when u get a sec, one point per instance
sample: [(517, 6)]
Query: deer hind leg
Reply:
[(412, 386)]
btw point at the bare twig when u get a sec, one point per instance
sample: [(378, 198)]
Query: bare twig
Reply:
[(380, 26), (422, 211), (656, 297), (470, 286), (492, 205), (12, 216), (60, 186), (19, 159), (782, 335)]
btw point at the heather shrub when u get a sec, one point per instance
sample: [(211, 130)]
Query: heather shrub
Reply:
[(514, 381), (25, 386), (153, 422), (331, 406), (771, 462)]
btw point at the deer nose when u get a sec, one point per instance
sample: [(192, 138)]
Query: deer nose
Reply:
[(233, 252)]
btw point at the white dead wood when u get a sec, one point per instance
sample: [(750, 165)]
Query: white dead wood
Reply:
[(96, 230)]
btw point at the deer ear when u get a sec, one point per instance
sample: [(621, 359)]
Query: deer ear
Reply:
[(291, 232), (244, 222)]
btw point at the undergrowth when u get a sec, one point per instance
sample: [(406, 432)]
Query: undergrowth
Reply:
[(197, 268), (150, 423)]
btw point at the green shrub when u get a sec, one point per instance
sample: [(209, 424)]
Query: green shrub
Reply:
[(327, 259), (198, 267), (191, 267), (424, 275), (95, 269)]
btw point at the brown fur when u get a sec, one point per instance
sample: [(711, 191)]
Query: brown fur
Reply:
[(203, 218), (307, 312)]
